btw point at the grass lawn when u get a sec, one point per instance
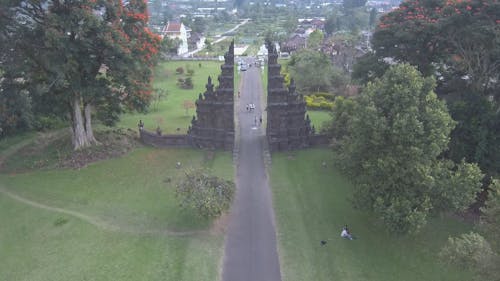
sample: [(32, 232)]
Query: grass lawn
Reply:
[(170, 113), (311, 204), (127, 226), (318, 118)]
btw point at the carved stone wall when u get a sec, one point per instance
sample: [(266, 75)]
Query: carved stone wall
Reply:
[(213, 126), (157, 140), (288, 126)]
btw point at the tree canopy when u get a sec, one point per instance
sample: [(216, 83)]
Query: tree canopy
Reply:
[(459, 43), (313, 72), (87, 58), (390, 146), (459, 37)]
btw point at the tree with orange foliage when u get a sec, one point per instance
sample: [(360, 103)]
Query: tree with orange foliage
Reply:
[(86, 58)]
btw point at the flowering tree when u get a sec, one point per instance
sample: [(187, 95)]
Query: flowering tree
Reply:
[(463, 35), (81, 56)]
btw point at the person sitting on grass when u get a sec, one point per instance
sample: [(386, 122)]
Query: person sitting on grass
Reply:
[(345, 233)]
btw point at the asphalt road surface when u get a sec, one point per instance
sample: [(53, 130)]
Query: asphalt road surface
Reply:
[(250, 250)]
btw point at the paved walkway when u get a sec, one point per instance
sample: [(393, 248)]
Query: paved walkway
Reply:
[(250, 250)]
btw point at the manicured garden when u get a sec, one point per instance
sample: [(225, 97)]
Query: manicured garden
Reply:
[(170, 112), (311, 204)]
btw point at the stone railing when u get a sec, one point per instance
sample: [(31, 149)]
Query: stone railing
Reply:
[(158, 140), (320, 140)]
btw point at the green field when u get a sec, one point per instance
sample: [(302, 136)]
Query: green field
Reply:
[(318, 118), (112, 220), (170, 113), (312, 204)]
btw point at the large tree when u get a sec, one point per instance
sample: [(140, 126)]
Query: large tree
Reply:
[(459, 37), (390, 147), (313, 72), (86, 57), (459, 42)]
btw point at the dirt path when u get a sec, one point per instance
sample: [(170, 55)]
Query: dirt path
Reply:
[(99, 223), (250, 247)]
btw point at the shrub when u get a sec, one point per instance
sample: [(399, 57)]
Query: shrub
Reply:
[(326, 95), (318, 102), (188, 83), (190, 72), (42, 123), (180, 82), (326, 105), (471, 251), (207, 194), (185, 83), (179, 70)]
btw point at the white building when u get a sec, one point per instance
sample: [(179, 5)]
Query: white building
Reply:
[(177, 30)]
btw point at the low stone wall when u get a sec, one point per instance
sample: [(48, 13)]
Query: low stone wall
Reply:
[(285, 144), (320, 140), (153, 139)]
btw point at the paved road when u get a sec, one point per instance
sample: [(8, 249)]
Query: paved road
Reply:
[(250, 250)]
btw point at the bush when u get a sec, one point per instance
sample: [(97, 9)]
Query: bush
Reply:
[(42, 123), (179, 70), (326, 95), (188, 83), (473, 252), (318, 103), (190, 72), (185, 83), (207, 194)]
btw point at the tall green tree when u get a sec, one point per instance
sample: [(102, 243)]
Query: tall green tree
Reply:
[(460, 42), (461, 35), (331, 24), (90, 58), (391, 146), (313, 71), (15, 102), (315, 39)]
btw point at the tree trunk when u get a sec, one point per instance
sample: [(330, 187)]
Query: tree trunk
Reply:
[(88, 124), (79, 137)]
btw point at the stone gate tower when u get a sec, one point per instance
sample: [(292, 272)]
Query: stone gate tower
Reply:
[(288, 126), (214, 125)]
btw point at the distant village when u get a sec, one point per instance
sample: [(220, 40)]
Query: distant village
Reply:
[(343, 53)]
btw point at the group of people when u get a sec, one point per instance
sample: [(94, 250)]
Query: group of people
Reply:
[(250, 107)]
